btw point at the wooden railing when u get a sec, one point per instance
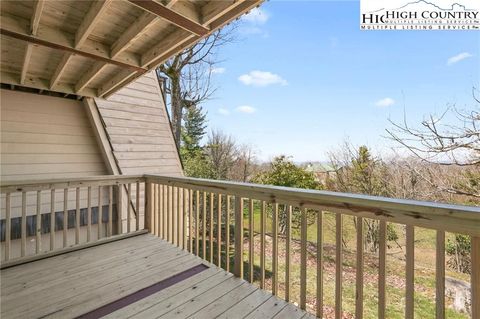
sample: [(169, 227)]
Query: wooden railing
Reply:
[(202, 215), (226, 224), (43, 218)]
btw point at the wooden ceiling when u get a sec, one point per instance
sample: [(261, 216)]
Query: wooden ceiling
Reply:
[(94, 47)]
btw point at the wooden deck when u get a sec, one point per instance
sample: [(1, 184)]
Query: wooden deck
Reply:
[(75, 283)]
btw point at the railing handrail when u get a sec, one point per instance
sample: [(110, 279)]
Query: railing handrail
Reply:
[(68, 182), (447, 217)]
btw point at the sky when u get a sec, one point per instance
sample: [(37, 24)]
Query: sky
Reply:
[(302, 77)]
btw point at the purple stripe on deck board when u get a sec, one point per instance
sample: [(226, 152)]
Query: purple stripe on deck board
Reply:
[(142, 293)]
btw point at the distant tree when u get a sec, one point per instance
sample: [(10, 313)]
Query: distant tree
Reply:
[(189, 75), (195, 161), (245, 164), (454, 144), (357, 171), (194, 129), (283, 172), (221, 151)]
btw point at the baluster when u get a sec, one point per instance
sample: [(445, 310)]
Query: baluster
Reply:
[(275, 250), (120, 207), (38, 225), (227, 236), (110, 210), (169, 213), (179, 216), (320, 264), (338, 266), (382, 254), (137, 207), (211, 228), (175, 216), (359, 272), (204, 226), (190, 221), (89, 213), (263, 219), (77, 215), (52, 219), (288, 240), (65, 217), (24, 224), (7, 226), (440, 276), (238, 270), (129, 206), (409, 272), (197, 219), (250, 240), (100, 213), (185, 220), (160, 211), (219, 230), (475, 277), (155, 210), (165, 211), (303, 260)]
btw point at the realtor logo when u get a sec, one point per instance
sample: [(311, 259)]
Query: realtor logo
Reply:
[(420, 15)]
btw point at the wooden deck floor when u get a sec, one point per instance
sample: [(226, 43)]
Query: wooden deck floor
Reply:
[(72, 284)]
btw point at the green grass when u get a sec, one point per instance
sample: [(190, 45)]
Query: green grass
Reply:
[(424, 271), (395, 281)]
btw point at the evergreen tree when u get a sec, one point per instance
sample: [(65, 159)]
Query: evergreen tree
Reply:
[(195, 162)]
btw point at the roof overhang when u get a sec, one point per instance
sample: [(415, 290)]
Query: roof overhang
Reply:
[(93, 48)]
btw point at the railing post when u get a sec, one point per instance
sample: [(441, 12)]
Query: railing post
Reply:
[(475, 264), (148, 206), (238, 269)]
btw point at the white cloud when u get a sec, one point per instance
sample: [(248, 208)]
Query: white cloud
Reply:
[(261, 78), (246, 109), (223, 111), (256, 16), (459, 57), (218, 70), (385, 102)]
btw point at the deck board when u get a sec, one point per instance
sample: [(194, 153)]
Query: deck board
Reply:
[(72, 284)]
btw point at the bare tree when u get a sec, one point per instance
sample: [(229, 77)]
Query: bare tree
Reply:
[(190, 75), (222, 152), (245, 164), (443, 144)]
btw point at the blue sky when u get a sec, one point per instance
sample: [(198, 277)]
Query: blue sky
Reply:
[(301, 78)]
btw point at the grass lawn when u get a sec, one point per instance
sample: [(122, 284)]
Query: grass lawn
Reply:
[(424, 270)]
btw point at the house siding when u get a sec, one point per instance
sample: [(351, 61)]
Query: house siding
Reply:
[(138, 129)]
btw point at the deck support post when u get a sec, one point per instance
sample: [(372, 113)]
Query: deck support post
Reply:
[(475, 277), (238, 267), (148, 206)]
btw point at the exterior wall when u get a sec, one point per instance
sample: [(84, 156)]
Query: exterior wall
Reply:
[(46, 137), (138, 129)]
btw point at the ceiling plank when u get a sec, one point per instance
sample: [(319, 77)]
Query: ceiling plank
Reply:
[(171, 16), (133, 32), (26, 61), (59, 70), (176, 42), (37, 13), (34, 23), (41, 84), (65, 48), (91, 18), (88, 76)]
